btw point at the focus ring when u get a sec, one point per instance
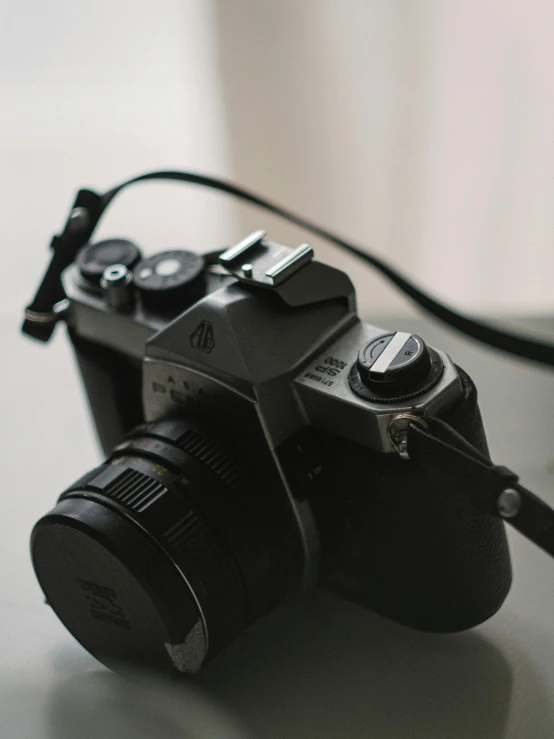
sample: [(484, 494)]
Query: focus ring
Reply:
[(207, 452), (134, 490), (236, 514), (199, 446), (162, 508)]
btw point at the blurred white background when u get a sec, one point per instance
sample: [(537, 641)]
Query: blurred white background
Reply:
[(422, 129)]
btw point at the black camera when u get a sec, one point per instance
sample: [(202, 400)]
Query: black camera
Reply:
[(255, 430), (261, 438)]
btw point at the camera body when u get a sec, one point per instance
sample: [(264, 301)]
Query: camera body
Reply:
[(255, 430)]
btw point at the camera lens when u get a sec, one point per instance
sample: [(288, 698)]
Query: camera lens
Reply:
[(161, 555)]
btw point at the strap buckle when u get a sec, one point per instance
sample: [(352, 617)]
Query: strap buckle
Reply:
[(397, 431), (58, 313)]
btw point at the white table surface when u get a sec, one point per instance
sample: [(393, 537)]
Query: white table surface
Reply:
[(318, 666)]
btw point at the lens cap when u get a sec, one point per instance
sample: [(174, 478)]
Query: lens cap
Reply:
[(115, 590), (93, 259)]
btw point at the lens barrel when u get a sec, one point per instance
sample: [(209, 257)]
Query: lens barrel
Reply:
[(161, 555)]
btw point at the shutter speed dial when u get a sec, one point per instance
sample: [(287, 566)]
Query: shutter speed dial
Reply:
[(395, 366), (171, 280)]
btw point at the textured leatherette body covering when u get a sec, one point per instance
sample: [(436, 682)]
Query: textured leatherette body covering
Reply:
[(410, 545)]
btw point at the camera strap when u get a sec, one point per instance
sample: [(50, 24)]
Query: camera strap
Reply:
[(494, 490), (40, 315)]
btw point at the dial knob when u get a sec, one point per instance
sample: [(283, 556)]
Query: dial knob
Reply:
[(171, 280), (394, 366), (93, 259), (398, 360)]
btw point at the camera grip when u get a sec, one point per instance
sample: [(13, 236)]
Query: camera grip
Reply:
[(410, 545), (113, 384)]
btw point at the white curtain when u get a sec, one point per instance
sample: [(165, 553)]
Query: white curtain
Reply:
[(92, 92), (423, 129)]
